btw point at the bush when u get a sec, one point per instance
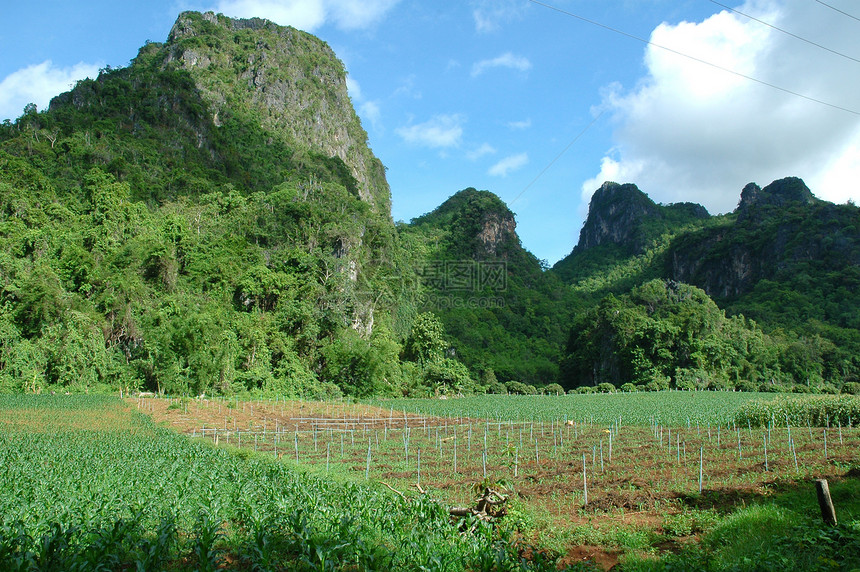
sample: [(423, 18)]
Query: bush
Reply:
[(851, 388), (553, 389), (520, 388), (748, 385), (629, 388), (497, 388), (605, 387)]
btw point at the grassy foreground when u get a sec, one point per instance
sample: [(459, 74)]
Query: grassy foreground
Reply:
[(88, 483)]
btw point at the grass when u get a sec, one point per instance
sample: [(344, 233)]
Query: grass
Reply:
[(90, 479), (99, 483), (642, 408), (643, 499)]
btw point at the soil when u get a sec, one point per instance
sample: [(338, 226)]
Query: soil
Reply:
[(637, 487)]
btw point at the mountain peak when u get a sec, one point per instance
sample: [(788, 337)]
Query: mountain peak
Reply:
[(777, 194), (483, 225), (614, 214), (286, 81)]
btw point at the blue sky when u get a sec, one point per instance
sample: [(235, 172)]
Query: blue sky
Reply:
[(528, 99)]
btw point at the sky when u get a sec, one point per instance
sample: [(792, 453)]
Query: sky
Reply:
[(539, 102)]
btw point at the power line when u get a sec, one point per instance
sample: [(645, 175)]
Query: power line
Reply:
[(785, 32), (557, 157), (695, 59), (838, 10)]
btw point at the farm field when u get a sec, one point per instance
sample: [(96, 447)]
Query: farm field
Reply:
[(591, 477), (94, 482), (90, 483)]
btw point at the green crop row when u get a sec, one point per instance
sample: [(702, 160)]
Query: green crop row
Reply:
[(665, 407), (78, 494), (815, 410)]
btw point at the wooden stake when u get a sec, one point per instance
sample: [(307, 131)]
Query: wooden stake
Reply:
[(828, 512)]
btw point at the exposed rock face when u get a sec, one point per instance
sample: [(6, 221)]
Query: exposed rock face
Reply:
[(497, 229), (287, 80), (614, 214), (778, 228), (732, 273)]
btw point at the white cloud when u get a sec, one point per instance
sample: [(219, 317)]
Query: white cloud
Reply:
[(370, 110), (354, 88), (483, 150), (691, 132), (508, 164), (310, 15), (518, 125), (489, 15), (506, 60), (38, 84), (440, 131)]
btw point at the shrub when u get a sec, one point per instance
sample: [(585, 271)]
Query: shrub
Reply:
[(629, 388), (519, 388), (851, 388), (497, 388), (605, 387), (553, 389), (747, 385)]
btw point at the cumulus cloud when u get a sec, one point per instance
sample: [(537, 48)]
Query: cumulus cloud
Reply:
[(508, 164), (438, 132), (38, 84), (506, 60), (692, 132), (518, 125), (490, 15), (310, 15), (483, 150)]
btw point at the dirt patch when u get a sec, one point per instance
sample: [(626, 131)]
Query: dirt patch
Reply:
[(600, 557)]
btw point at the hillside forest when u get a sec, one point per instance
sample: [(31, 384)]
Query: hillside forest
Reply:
[(211, 220)]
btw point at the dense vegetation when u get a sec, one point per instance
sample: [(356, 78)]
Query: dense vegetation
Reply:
[(771, 307), (506, 317), (90, 485), (149, 243), (210, 219)]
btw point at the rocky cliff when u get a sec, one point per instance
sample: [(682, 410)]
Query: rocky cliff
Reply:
[(479, 225), (623, 222), (776, 232), (289, 82)]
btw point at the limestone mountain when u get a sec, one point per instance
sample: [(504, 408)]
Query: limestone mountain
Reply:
[(784, 258), (289, 82), (504, 314), (209, 218), (624, 223)]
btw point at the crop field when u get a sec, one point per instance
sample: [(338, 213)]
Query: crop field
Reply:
[(599, 481), (177, 484), (89, 483)]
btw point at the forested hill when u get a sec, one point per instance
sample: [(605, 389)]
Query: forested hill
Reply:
[(208, 218), (775, 301), (506, 317), (211, 219)]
